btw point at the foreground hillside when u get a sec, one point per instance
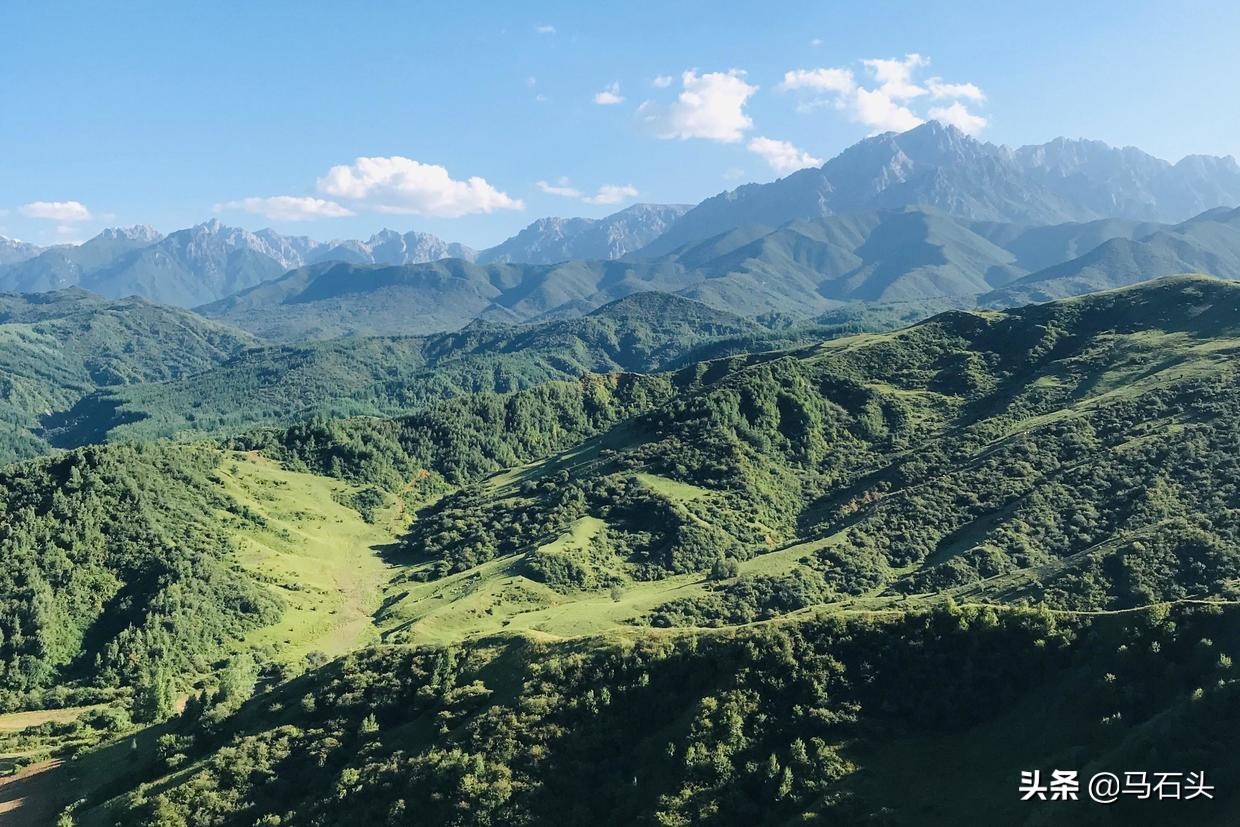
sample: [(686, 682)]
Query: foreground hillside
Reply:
[(819, 721), (666, 598)]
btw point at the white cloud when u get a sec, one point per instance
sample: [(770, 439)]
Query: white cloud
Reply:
[(782, 156), (531, 81), (816, 42), (609, 96), (821, 80), (710, 106), (562, 189), (896, 76), (607, 193), (612, 194), (960, 117), (545, 28), (662, 81), (402, 185), (540, 98), (889, 100), (939, 89), (287, 207), (56, 210), (877, 110)]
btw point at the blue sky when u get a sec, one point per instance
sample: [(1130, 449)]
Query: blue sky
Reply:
[(257, 112)]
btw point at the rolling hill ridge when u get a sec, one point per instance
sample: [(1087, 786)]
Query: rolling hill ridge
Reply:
[(1046, 490), (57, 347)]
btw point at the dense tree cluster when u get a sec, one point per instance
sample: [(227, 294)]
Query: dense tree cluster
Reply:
[(762, 726), (116, 571), (460, 440)]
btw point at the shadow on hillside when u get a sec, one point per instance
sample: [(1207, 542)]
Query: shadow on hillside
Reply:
[(396, 554), (32, 796), (88, 422)]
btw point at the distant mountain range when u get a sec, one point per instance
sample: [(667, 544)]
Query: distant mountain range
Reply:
[(881, 257), (202, 263), (210, 261), (13, 251), (925, 215), (551, 240), (939, 166)]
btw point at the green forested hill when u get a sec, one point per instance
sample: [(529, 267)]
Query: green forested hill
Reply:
[(57, 347), (116, 570), (817, 584), (1057, 453), (383, 376), (846, 720)]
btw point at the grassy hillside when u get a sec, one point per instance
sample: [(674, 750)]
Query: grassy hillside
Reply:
[(129, 562), (58, 347), (673, 598), (311, 549), (1059, 453)]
